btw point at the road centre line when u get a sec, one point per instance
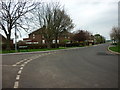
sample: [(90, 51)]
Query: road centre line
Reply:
[(20, 71), (21, 68), (28, 61), (16, 84), (25, 62), (19, 62), (4, 65), (35, 57), (23, 65), (14, 65), (18, 77)]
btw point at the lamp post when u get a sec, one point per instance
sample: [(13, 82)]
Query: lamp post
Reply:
[(15, 38)]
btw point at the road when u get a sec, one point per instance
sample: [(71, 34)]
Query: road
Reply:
[(87, 67)]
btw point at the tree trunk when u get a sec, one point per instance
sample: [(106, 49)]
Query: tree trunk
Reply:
[(56, 45), (49, 44), (8, 44)]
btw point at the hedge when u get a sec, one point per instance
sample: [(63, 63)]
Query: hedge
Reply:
[(37, 46)]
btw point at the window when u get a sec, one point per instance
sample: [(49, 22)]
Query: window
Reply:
[(28, 42), (33, 36), (58, 41), (43, 41), (35, 42), (53, 41)]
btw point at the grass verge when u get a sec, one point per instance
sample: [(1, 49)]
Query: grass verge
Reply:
[(33, 50), (115, 49)]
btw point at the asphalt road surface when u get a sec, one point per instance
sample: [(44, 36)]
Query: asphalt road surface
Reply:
[(88, 67)]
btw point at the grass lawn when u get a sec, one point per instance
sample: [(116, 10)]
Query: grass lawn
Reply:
[(33, 50), (116, 48)]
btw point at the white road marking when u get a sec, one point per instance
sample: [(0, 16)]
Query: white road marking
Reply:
[(4, 65), (19, 72), (21, 68), (14, 65), (18, 77), (16, 84), (25, 62), (30, 59), (23, 65), (19, 62)]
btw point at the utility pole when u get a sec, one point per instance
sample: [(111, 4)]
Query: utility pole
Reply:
[(15, 38)]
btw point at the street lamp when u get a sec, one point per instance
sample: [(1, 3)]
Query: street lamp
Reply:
[(15, 38)]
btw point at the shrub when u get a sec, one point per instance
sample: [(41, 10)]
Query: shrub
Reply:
[(4, 46), (53, 45)]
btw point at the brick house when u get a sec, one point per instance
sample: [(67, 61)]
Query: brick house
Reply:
[(3, 42), (36, 37), (2, 39)]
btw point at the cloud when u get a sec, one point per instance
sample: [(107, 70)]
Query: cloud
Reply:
[(93, 15), (96, 16)]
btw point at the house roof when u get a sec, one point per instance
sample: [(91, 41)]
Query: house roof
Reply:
[(29, 40), (38, 31), (26, 38), (32, 41)]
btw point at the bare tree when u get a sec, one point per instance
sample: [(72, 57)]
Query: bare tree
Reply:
[(61, 23), (42, 19), (53, 20), (81, 35), (115, 34), (12, 14)]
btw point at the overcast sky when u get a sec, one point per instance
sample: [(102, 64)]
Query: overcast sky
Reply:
[(96, 16)]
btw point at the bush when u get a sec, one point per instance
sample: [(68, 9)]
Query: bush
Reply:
[(53, 45), (38, 46), (70, 45), (4, 46)]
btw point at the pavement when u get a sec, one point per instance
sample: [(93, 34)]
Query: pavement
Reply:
[(86, 67)]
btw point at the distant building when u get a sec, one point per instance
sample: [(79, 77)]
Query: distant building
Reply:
[(36, 37)]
